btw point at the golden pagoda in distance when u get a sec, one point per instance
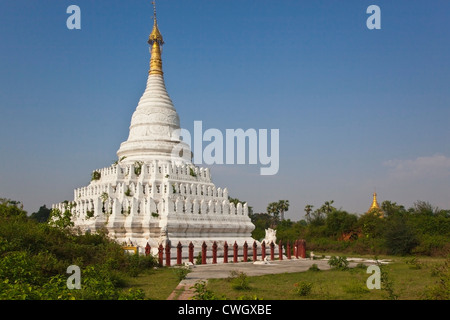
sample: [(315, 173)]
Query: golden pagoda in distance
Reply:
[(375, 207)]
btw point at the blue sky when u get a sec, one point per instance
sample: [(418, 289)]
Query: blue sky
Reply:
[(357, 109)]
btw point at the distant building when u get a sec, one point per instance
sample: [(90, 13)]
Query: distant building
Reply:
[(375, 207)]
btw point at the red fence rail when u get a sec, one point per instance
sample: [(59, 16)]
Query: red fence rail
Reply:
[(299, 251)]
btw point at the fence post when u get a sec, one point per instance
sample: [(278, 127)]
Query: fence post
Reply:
[(168, 254), (147, 249), (272, 251), (280, 250), (214, 250), (225, 252), (288, 250), (235, 252), (160, 254), (204, 246), (245, 251), (255, 252), (263, 250), (179, 252), (191, 253), (303, 248), (296, 249)]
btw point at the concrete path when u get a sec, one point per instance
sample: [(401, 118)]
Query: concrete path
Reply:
[(222, 270), (211, 271)]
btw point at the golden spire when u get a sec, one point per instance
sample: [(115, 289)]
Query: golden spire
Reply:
[(375, 207), (374, 202), (156, 41)]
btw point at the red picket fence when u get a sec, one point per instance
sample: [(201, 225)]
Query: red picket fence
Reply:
[(299, 251)]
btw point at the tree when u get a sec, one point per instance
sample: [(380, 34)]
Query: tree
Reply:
[(400, 236), (308, 210), (11, 208), (317, 217), (262, 221), (392, 208), (283, 206), (327, 207), (62, 220), (277, 210), (425, 208), (371, 226), (339, 222), (42, 214), (273, 210)]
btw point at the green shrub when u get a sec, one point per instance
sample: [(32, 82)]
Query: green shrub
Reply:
[(314, 268), (356, 288), (239, 280), (400, 237), (34, 258), (244, 297), (432, 245), (137, 263), (387, 284), (441, 289), (192, 172), (303, 288), (201, 292), (414, 263), (96, 175), (198, 259), (339, 263), (10, 208), (181, 272)]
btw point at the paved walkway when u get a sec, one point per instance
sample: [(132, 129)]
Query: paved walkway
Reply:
[(222, 270), (211, 271)]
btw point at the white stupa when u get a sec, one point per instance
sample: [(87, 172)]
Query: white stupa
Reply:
[(154, 194)]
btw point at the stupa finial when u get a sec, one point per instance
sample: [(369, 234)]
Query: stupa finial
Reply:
[(156, 41), (375, 202), (154, 10), (375, 207)]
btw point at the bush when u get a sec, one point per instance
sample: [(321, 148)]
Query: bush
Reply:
[(400, 237), (198, 259), (414, 263), (339, 263), (34, 258), (10, 208), (137, 263), (432, 245), (387, 284), (356, 288), (239, 280), (314, 268), (201, 292), (441, 289), (303, 288), (181, 272), (254, 297), (338, 222)]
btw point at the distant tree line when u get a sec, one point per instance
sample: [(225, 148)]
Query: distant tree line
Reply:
[(421, 229)]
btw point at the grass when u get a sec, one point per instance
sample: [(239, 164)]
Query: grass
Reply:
[(157, 284), (409, 283), (411, 278)]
